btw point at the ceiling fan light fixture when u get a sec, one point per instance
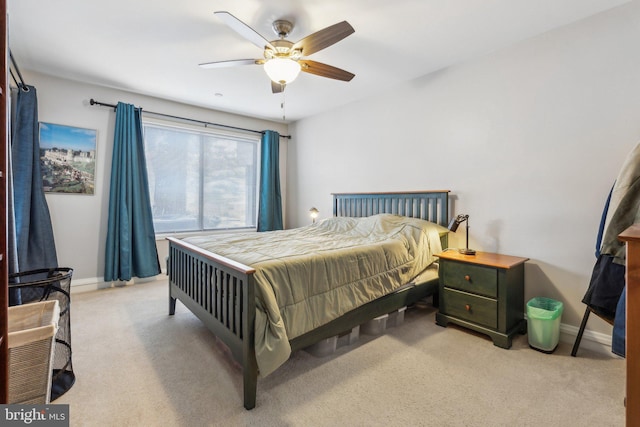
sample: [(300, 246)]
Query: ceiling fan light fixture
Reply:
[(282, 70)]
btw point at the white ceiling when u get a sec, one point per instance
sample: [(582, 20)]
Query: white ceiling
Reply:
[(154, 47)]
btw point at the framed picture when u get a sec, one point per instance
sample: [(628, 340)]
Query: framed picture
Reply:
[(68, 159)]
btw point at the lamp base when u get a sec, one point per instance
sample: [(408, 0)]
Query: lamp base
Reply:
[(467, 251)]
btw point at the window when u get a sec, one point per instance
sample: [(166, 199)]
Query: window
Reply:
[(199, 179)]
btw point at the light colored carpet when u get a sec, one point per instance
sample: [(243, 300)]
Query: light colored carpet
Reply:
[(136, 365)]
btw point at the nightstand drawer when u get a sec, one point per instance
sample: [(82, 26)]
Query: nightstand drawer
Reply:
[(473, 308), (476, 279)]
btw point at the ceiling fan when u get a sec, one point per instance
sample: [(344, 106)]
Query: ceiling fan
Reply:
[(283, 60)]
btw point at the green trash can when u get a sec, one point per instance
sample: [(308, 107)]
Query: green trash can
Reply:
[(543, 323)]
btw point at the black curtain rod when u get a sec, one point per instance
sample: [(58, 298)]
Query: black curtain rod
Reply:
[(103, 104), (14, 77), (21, 84)]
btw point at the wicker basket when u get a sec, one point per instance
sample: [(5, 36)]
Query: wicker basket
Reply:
[(47, 284), (32, 331)]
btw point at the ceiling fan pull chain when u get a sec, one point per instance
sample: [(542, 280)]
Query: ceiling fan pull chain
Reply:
[(282, 106)]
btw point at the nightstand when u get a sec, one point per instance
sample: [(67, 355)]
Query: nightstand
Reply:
[(483, 292)]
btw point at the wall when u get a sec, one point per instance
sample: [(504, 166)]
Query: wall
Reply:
[(529, 140), (80, 221)]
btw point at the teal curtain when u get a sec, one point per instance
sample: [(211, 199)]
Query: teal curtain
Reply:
[(270, 199), (30, 240), (131, 245), (35, 244)]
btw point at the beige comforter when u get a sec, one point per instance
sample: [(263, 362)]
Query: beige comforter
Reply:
[(311, 275)]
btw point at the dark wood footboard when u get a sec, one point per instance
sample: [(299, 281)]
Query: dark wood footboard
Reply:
[(221, 293)]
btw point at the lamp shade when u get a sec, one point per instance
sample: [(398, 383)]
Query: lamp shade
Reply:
[(455, 222), (313, 212), (282, 70), (453, 225)]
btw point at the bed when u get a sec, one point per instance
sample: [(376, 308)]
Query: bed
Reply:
[(229, 296)]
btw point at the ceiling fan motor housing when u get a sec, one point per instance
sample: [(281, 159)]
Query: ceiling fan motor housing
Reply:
[(282, 28)]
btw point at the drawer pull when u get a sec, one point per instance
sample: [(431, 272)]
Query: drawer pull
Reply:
[(467, 307), (467, 278)]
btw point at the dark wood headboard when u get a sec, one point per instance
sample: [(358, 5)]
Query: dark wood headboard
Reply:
[(428, 205)]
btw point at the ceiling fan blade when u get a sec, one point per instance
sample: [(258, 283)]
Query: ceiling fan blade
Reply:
[(231, 63), (244, 30), (324, 70), (277, 87), (324, 38)]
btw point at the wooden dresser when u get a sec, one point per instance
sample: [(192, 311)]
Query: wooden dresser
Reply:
[(4, 278), (631, 236)]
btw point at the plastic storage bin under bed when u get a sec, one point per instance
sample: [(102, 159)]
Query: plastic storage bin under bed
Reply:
[(375, 326)]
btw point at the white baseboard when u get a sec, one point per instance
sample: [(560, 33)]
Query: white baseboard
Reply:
[(96, 283), (594, 341)]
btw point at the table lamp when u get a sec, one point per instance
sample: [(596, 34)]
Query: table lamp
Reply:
[(453, 226)]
